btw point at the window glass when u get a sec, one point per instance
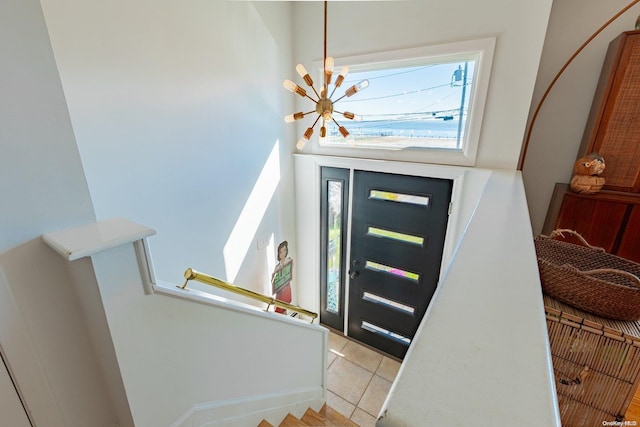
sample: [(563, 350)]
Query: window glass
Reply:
[(423, 106), (429, 99)]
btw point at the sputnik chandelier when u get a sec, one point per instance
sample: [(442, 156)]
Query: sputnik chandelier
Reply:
[(324, 103)]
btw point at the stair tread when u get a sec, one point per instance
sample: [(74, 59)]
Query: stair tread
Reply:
[(336, 417), (326, 416), (313, 418), (292, 421)]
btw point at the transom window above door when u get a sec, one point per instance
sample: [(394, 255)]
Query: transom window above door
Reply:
[(429, 99)]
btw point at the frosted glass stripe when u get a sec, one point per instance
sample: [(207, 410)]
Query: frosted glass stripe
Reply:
[(399, 197), (394, 235), (368, 296), (385, 333), (375, 266)]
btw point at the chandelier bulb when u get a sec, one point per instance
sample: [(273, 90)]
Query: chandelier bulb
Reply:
[(291, 86), (328, 64), (363, 84), (301, 70), (301, 143), (304, 74), (293, 117), (328, 70), (343, 131), (360, 86), (351, 116), (342, 75)]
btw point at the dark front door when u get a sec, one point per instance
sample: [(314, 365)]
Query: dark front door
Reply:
[(397, 239)]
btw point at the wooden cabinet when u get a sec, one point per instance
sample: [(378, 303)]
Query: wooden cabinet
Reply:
[(613, 126), (607, 219), (611, 218), (630, 240)]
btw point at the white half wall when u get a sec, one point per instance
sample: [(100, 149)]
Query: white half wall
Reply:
[(483, 340), (183, 357)]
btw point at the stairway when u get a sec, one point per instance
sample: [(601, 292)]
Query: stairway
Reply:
[(327, 416)]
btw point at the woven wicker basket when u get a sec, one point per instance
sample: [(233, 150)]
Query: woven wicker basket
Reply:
[(596, 364), (588, 278)]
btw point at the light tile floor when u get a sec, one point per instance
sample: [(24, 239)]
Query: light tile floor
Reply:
[(358, 379)]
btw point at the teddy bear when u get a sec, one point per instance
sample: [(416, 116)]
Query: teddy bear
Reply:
[(586, 174)]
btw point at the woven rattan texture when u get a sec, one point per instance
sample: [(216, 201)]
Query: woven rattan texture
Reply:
[(609, 295), (617, 140), (611, 351), (627, 329)]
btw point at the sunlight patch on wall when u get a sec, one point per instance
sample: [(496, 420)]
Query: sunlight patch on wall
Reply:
[(246, 226)]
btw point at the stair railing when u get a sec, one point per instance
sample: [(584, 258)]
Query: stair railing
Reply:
[(191, 274)]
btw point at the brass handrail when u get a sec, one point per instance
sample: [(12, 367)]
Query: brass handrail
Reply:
[(191, 274)]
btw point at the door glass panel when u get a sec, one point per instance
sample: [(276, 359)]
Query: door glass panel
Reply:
[(375, 266), (334, 207), (333, 245), (399, 197), (368, 296), (385, 333), (394, 235)]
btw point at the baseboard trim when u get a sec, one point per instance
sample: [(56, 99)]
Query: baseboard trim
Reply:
[(250, 410)]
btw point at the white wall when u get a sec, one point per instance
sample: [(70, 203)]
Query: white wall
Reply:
[(41, 178), (11, 408), (42, 188), (177, 107), (366, 27), (558, 130), (177, 355)]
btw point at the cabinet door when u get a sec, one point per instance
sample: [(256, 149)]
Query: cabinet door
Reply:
[(598, 221), (630, 243), (613, 127)]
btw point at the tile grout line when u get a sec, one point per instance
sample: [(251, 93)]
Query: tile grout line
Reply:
[(374, 374), (342, 398), (365, 390)]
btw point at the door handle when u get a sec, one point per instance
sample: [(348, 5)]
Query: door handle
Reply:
[(354, 274)]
